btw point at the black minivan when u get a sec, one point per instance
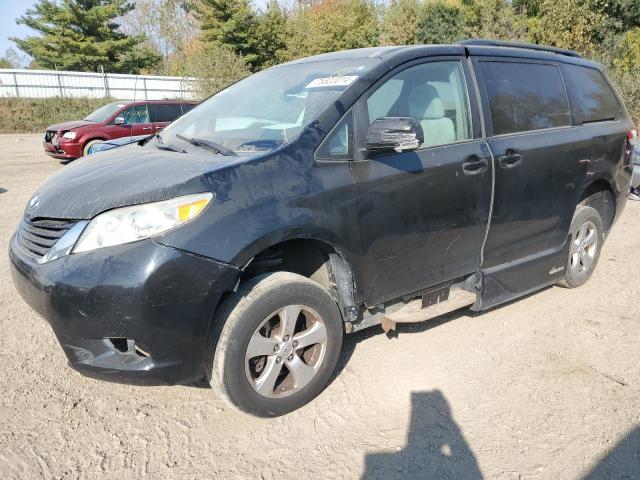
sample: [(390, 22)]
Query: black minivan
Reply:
[(320, 197)]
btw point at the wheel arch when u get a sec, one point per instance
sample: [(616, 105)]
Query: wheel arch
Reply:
[(310, 254), (600, 195)]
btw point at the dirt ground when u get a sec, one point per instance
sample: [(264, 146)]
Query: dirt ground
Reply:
[(545, 387)]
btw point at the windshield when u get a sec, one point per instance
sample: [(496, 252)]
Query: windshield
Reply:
[(104, 112), (268, 109)]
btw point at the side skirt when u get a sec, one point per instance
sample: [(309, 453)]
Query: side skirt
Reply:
[(509, 281)]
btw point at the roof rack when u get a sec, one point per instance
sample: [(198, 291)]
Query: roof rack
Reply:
[(527, 46)]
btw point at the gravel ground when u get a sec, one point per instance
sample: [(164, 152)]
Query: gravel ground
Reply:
[(545, 387)]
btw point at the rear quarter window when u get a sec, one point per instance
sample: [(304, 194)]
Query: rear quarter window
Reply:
[(525, 96), (592, 98)]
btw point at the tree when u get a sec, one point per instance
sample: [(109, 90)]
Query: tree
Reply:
[(573, 24), (271, 35), (83, 35), (628, 57), (168, 27), (440, 23), (400, 22), (214, 66), (330, 25), (229, 22), (496, 19)]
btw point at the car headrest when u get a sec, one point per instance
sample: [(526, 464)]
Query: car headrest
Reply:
[(425, 103)]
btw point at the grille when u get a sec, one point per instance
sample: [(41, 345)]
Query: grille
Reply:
[(37, 236), (48, 135)]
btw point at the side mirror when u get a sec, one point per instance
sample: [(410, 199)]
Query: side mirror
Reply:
[(398, 134), (119, 121)]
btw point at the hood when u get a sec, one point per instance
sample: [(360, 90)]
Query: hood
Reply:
[(124, 176), (69, 125)]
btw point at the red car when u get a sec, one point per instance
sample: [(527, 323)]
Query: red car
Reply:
[(70, 140)]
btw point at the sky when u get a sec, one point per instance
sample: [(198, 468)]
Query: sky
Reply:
[(9, 11)]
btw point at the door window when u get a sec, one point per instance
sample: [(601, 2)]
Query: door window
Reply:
[(525, 96), (432, 93), (135, 115), (167, 112), (592, 99)]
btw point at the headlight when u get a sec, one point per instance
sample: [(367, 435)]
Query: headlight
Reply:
[(69, 135), (129, 224)]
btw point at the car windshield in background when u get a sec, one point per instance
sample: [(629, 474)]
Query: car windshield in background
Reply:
[(104, 112), (268, 109)]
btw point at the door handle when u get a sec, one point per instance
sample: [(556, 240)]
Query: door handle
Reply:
[(146, 128), (474, 165), (510, 160)]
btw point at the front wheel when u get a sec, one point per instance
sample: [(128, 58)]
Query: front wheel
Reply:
[(587, 238), (278, 341)]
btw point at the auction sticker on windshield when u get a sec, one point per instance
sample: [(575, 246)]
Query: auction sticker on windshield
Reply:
[(332, 81)]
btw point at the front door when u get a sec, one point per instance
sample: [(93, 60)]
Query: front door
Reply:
[(136, 121), (422, 214)]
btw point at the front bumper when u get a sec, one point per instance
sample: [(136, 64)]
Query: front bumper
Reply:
[(64, 150), (159, 297)]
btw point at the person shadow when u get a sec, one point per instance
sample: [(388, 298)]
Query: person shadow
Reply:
[(623, 462), (436, 448)]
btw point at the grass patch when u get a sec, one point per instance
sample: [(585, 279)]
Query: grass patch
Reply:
[(33, 115)]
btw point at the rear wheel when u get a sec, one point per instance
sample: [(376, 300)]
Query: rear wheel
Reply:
[(587, 238), (278, 341)]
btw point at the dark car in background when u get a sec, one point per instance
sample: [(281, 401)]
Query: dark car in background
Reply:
[(320, 197), (111, 144), (70, 140)]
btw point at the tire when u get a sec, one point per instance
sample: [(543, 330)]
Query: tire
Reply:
[(587, 238), (254, 320), (85, 150)]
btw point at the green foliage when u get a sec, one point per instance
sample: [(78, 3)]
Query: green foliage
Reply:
[(21, 115), (83, 35), (572, 24), (271, 35), (628, 57), (5, 63), (497, 19), (230, 23), (331, 25), (440, 23), (400, 22), (216, 67)]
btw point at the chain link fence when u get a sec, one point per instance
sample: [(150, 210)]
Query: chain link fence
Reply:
[(22, 83)]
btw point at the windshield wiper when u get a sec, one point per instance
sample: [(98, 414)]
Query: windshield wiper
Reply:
[(159, 144), (209, 145)]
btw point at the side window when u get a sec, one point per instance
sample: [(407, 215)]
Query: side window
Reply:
[(525, 96), (186, 107), (432, 93), (136, 114), (166, 112), (592, 99), (339, 143)]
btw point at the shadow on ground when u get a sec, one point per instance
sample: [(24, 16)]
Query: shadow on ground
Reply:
[(623, 462), (435, 450), (3, 190)]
